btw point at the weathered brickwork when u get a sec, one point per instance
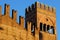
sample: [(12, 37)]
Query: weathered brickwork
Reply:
[(40, 23)]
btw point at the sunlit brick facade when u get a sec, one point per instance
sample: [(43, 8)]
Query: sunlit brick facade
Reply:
[(40, 23)]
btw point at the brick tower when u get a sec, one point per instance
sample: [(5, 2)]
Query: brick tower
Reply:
[(43, 19), (40, 21)]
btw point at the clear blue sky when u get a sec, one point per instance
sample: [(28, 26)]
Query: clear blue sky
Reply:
[(20, 6)]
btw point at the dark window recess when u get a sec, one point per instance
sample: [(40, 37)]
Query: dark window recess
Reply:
[(48, 27), (33, 29), (33, 32), (40, 26), (53, 29), (1, 28), (44, 27)]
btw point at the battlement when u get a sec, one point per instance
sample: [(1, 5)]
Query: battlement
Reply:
[(30, 8), (14, 15), (37, 13), (7, 9), (7, 17), (45, 7), (41, 6), (21, 20), (38, 26)]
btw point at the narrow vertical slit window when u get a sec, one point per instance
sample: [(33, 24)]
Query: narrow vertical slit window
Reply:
[(44, 27), (40, 26), (48, 27)]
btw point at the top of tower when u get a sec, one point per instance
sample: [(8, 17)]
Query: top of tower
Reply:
[(41, 6)]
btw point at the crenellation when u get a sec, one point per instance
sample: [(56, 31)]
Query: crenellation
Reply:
[(44, 14), (21, 21), (35, 30), (33, 7), (45, 7), (54, 10), (37, 4), (7, 9), (14, 15), (41, 6), (29, 9), (50, 8)]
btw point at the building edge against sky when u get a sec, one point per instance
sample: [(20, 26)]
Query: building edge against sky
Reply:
[(33, 14)]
